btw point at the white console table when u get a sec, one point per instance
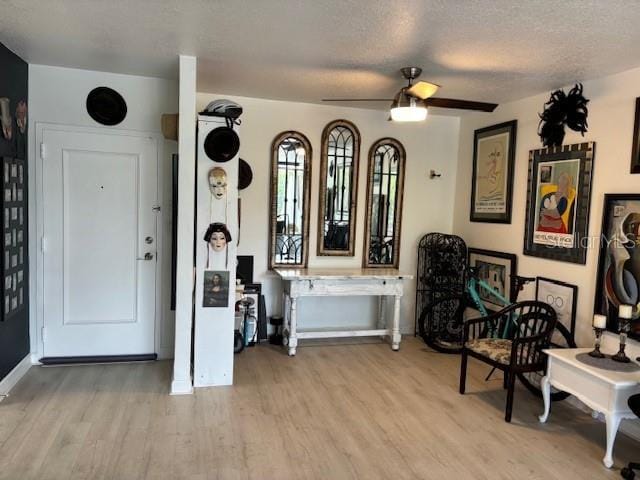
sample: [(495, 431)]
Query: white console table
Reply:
[(601, 390), (317, 282)]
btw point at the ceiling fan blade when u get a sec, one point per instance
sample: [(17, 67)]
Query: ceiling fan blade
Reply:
[(423, 90), (357, 100), (460, 104)]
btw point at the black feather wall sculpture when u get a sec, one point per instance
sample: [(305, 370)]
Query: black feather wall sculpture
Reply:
[(563, 109)]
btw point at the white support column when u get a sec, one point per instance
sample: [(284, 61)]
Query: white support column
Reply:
[(182, 382)]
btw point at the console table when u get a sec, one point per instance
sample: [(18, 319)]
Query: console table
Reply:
[(320, 282), (601, 390)]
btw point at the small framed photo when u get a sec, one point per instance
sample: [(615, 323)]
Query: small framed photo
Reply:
[(216, 289), (498, 270), (563, 297), (558, 202), (494, 151)]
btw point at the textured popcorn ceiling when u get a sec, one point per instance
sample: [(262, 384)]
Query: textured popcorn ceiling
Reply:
[(306, 50)]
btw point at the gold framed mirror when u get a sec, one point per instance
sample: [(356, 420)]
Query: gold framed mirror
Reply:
[(385, 188), (290, 193), (337, 203)]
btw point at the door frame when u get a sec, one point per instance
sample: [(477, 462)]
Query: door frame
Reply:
[(36, 268)]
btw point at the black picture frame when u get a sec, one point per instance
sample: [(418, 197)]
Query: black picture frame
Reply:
[(548, 241), (509, 260), (608, 295), (635, 151), (570, 323), (484, 134)]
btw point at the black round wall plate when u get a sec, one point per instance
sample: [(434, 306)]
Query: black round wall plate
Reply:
[(221, 144), (245, 175), (106, 106)]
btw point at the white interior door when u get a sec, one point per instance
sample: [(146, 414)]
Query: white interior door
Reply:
[(99, 243)]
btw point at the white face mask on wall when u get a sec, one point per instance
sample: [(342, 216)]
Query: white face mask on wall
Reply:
[(218, 182)]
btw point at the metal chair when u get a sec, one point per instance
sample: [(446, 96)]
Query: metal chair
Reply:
[(510, 340), (628, 471)]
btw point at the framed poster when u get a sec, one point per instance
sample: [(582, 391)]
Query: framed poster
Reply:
[(498, 269), (558, 200), (216, 289), (563, 297), (635, 151), (618, 279), (494, 150)]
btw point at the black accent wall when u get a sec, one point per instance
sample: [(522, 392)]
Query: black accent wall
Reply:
[(14, 282)]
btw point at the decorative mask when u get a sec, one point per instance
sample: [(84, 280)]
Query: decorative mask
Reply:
[(21, 116), (5, 118), (217, 236), (218, 182)]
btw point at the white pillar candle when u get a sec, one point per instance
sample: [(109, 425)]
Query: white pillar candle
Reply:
[(599, 321), (625, 311)]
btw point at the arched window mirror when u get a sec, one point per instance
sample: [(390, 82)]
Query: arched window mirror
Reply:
[(338, 188), (385, 184), (290, 190)]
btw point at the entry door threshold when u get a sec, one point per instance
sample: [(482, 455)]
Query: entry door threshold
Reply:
[(147, 357)]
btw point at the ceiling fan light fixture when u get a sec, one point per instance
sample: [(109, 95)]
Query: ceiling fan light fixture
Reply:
[(407, 108)]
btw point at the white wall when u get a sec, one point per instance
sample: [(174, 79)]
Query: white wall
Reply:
[(58, 95), (611, 117), (428, 204)]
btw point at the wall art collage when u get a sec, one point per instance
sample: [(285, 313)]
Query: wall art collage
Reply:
[(558, 209)]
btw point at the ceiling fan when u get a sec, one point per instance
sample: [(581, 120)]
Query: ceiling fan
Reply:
[(411, 102)]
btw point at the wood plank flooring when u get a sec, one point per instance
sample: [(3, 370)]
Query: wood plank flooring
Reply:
[(332, 412)]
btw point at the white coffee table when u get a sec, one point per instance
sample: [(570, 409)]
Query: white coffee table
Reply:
[(601, 390)]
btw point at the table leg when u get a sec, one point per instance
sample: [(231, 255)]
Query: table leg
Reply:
[(395, 333), (382, 315), (613, 422), (546, 396), (293, 319)]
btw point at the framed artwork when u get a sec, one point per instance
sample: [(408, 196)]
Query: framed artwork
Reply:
[(216, 289), (618, 279), (498, 269), (563, 297), (494, 150), (635, 151), (558, 200)]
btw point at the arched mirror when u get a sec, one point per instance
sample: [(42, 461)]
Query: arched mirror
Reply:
[(290, 190), (385, 184), (338, 188)]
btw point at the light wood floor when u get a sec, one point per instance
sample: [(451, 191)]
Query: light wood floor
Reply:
[(332, 412)]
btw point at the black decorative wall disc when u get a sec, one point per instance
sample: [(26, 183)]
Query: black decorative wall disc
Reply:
[(245, 175), (221, 144), (106, 106)]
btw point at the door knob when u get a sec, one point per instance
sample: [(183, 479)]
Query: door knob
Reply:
[(147, 256)]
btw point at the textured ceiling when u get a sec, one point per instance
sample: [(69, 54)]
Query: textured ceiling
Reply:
[(306, 50)]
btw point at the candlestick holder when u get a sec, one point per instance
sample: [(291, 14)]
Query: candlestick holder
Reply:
[(596, 353), (624, 326)]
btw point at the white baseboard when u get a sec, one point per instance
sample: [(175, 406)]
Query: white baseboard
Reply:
[(181, 387), (8, 382), (628, 427)]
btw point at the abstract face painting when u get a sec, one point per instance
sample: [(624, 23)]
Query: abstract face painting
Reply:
[(619, 268), (218, 182), (555, 222)]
